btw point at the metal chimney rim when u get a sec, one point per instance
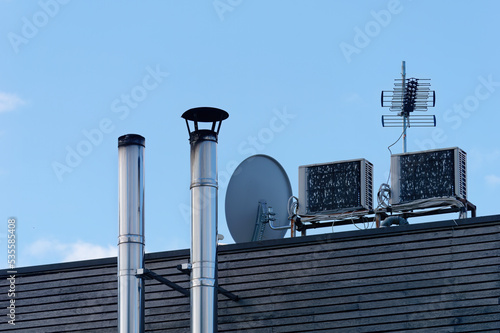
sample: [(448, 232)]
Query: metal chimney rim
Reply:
[(131, 139)]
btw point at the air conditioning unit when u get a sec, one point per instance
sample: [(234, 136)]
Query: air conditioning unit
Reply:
[(335, 187), (428, 174)]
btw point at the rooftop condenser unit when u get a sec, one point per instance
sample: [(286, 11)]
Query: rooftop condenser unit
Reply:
[(439, 173), (336, 187)]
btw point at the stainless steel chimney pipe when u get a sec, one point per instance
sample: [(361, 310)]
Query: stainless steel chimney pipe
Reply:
[(131, 233), (204, 218)]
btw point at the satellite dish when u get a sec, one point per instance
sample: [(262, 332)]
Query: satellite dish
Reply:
[(258, 182)]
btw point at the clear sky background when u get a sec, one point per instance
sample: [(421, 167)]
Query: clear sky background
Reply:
[(301, 81)]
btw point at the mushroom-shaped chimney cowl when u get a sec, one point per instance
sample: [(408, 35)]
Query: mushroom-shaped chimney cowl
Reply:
[(205, 115)]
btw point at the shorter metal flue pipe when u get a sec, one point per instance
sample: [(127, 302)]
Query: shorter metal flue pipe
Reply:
[(131, 233)]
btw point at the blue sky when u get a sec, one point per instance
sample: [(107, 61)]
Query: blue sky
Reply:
[(301, 81)]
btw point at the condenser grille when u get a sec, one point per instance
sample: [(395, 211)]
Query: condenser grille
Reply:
[(462, 164), (428, 174), (369, 185), (335, 187)]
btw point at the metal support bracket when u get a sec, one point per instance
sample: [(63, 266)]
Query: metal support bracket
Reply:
[(228, 294), (143, 272), (186, 269)]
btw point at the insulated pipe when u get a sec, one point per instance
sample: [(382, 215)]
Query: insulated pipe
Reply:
[(131, 233), (204, 217), (203, 231), (393, 220)]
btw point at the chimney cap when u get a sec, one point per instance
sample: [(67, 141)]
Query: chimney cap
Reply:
[(205, 114)]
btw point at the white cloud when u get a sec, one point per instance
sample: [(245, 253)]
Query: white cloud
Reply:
[(82, 251), (43, 246), (492, 180), (9, 102), (56, 251)]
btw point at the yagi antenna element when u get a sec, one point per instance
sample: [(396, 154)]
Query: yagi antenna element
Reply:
[(409, 95)]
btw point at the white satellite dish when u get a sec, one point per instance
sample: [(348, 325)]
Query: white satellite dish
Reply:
[(257, 183)]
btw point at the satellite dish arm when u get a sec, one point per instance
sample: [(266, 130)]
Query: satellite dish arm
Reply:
[(271, 218), (265, 216), (283, 227)]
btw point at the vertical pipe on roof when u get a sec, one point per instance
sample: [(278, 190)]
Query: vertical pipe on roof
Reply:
[(131, 233), (203, 231)]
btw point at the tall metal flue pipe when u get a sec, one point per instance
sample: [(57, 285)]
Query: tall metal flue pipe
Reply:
[(131, 233), (204, 217)]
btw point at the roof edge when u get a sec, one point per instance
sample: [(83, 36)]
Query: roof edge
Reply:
[(285, 242)]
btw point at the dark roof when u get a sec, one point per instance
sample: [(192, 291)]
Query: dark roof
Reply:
[(440, 277)]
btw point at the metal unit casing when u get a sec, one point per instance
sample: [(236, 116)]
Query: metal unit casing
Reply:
[(437, 173), (335, 187)]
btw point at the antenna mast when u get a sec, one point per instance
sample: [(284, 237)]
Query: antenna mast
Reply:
[(405, 116)]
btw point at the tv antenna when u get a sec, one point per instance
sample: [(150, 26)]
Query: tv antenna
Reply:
[(408, 95)]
